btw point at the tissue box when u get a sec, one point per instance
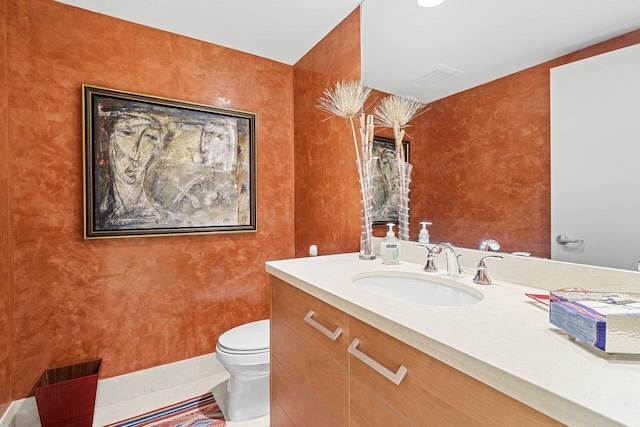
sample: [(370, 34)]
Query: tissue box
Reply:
[(609, 321)]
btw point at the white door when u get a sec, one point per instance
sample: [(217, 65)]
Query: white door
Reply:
[(595, 160)]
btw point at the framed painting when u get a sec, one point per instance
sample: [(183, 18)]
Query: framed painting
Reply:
[(385, 185), (155, 166)]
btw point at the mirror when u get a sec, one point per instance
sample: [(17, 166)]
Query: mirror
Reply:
[(481, 155)]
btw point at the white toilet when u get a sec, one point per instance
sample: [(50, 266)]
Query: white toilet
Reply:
[(244, 353)]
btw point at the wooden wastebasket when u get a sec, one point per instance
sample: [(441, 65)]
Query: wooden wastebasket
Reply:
[(66, 396)]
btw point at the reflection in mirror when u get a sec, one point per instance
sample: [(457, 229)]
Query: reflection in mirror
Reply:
[(594, 160), (385, 191), (481, 154)]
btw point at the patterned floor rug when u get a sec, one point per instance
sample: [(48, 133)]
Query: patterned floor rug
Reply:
[(196, 412)]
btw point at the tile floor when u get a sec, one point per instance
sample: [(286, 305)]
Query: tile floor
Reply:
[(26, 415)]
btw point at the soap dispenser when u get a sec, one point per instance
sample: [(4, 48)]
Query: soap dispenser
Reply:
[(423, 236), (390, 247)]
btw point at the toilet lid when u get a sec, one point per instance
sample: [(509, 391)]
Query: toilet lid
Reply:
[(247, 337)]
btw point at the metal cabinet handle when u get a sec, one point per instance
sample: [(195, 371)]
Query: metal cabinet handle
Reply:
[(395, 378), (332, 335), (563, 239)]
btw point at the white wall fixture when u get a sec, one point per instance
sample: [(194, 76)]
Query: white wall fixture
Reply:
[(430, 3)]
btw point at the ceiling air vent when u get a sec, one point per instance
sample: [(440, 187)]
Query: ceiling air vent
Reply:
[(434, 76)]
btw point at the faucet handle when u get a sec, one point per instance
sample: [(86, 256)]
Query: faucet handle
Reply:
[(489, 245), (435, 249), (482, 277), (430, 266)]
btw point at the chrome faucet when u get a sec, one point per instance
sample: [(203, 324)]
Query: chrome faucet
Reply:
[(482, 277), (453, 261), (453, 264)]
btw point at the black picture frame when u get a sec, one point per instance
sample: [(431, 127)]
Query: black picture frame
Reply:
[(159, 167)]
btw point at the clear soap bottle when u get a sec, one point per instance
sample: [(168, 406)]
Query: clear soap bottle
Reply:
[(390, 247), (423, 236)]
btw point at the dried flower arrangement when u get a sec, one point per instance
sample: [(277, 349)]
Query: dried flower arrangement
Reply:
[(346, 99)]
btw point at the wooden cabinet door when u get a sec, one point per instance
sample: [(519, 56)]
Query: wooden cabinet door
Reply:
[(291, 306), (295, 405), (432, 393), (367, 409), (310, 378)]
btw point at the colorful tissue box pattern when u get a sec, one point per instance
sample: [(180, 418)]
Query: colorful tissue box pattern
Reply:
[(609, 321)]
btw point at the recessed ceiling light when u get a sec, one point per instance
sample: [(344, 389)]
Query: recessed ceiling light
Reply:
[(429, 3)]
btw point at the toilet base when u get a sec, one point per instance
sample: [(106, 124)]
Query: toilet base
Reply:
[(247, 398)]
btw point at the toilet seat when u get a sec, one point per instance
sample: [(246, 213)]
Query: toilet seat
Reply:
[(224, 349), (229, 359), (250, 338), (245, 345)]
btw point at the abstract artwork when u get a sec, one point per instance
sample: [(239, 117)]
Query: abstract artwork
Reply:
[(385, 180), (156, 166)]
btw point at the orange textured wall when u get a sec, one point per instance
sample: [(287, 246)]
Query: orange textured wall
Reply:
[(5, 253), (327, 195), (482, 160), (137, 302)]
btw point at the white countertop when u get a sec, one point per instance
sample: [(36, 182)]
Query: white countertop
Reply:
[(505, 340)]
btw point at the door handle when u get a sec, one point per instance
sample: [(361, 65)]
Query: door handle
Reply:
[(332, 335), (394, 377), (563, 239)]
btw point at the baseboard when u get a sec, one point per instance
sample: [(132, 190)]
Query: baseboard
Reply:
[(128, 387)]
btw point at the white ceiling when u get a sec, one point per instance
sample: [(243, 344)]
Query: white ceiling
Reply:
[(484, 39), (282, 30)]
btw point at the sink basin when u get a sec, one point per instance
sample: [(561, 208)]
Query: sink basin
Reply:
[(417, 288)]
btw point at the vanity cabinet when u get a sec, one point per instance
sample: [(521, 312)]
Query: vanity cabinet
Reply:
[(365, 377)]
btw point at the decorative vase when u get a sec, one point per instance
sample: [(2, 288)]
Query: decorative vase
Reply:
[(404, 181), (365, 175)]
